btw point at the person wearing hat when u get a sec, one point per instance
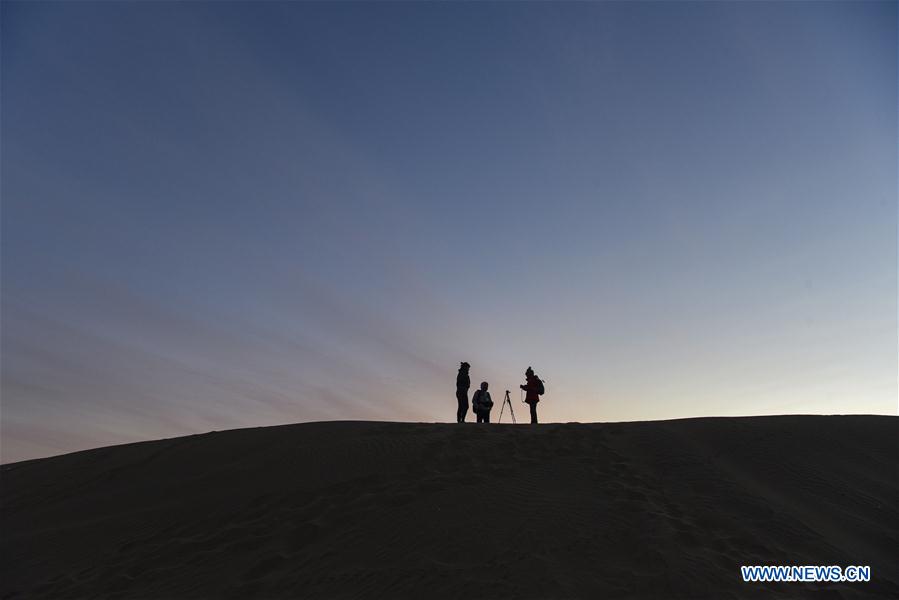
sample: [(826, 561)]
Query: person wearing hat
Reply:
[(533, 388), (462, 384)]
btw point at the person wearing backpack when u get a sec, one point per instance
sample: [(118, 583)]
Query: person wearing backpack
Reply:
[(462, 384), (481, 403), (533, 389)]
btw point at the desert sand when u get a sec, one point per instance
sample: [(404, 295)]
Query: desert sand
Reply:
[(665, 509)]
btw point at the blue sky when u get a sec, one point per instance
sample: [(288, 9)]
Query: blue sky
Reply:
[(220, 215)]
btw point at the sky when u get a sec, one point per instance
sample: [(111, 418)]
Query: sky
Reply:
[(223, 215)]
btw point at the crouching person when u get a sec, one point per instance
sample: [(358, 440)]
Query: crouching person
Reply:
[(481, 403)]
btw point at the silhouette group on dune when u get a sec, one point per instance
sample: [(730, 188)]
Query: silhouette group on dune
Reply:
[(481, 402)]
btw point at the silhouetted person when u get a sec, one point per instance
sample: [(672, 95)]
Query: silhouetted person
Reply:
[(462, 385), (481, 403), (533, 388)]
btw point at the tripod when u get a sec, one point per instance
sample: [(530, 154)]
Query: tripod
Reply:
[(509, 402)]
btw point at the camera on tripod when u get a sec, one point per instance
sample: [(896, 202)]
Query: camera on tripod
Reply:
[(506, 400)]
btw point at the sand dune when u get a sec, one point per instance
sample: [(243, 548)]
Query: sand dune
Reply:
[(666, 509)]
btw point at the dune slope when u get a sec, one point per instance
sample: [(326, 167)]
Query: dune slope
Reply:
[(666, 509)]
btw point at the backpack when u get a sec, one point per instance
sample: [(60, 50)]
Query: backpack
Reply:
[(540, 388)]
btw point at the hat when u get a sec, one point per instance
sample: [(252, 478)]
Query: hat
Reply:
[(465, 365)]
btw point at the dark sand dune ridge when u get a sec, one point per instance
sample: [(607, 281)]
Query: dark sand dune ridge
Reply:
[(666, 509)]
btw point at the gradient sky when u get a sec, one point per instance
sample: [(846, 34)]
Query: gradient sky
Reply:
[(220, 215)]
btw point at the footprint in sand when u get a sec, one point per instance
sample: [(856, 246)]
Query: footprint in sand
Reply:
[(431, 485), (301, 535), (265, 566)]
